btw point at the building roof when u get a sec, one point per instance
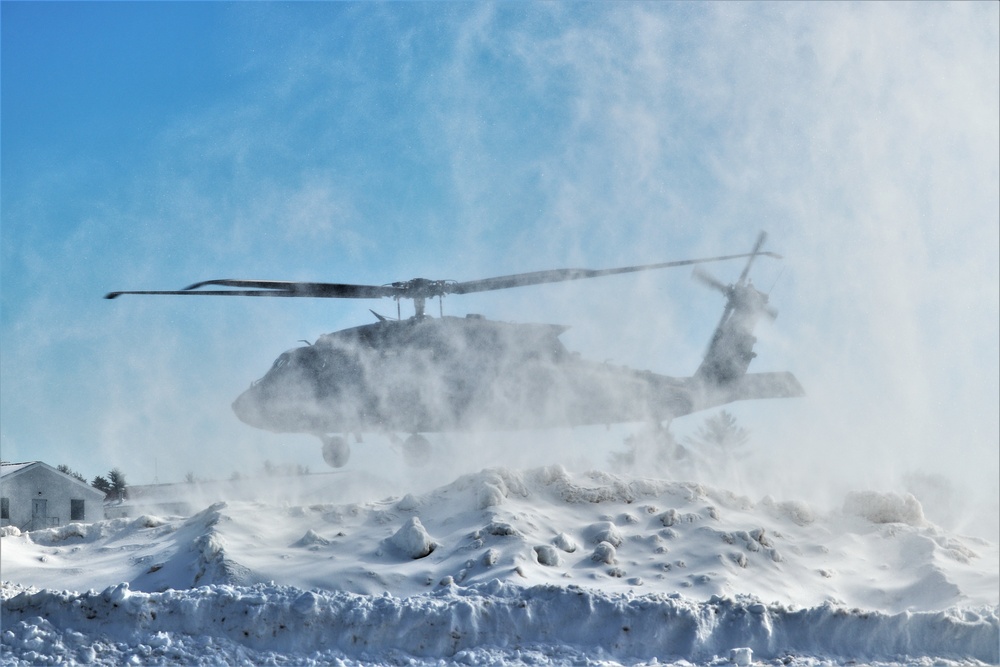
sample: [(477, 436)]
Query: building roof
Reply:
[(7, 468)]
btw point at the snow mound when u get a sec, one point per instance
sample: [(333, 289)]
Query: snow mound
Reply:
[(311, 540), (885, 507), (608, 532), (636, 568)]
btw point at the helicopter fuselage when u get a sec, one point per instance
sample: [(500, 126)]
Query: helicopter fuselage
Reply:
[(451, 374)]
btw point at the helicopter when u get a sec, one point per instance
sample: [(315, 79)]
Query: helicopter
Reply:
[(429, 374)]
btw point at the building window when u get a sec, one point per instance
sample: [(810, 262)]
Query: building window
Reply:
[(4, 508), (76, 510)]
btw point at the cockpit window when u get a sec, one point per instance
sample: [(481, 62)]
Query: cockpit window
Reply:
[(280, 361)]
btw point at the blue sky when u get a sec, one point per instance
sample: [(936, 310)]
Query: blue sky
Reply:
[(151, 145)]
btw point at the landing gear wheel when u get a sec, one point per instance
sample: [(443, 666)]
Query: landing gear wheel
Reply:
[(417, 450), (336, 451)]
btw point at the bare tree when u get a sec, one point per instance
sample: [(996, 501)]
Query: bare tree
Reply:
[(652, 450), (65, 469)]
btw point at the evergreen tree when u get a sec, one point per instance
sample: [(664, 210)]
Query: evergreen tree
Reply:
[(102, 484), (719, 448), (721, 432), (116, 478)]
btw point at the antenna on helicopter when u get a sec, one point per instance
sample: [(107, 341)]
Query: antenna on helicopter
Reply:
[(775, 283)]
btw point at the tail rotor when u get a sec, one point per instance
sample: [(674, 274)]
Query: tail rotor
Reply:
[(753, 255), (739, 289)]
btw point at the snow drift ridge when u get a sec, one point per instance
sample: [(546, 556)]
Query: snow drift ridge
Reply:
[(455, 619)]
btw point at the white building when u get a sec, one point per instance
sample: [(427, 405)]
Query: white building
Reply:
[(35, 495)]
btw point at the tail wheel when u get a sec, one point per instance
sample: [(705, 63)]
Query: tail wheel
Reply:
[(417, 450), (336, 451)]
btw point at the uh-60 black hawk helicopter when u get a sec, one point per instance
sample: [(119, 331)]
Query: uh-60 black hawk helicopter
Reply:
[(423, 374)]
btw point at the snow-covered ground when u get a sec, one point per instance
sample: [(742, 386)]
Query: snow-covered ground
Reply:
[(535, 566)]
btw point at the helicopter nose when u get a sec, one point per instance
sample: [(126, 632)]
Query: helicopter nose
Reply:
[(248, 407)]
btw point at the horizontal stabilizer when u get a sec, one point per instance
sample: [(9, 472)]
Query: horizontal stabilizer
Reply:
[(747, 387), (766, 385)]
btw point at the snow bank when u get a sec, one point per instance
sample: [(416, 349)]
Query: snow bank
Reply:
[(312, 626)]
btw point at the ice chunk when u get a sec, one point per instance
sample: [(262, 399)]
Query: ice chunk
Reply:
[(565, 542), (605, 531), (605, 552), (412, 539), (741, 656), (547, 555)]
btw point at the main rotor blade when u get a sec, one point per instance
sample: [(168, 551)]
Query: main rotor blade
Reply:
[(560, 275), (279, 288), (321, 290), (417, 288)]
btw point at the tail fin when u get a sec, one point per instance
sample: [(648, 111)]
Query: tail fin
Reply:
[(730, 350)]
